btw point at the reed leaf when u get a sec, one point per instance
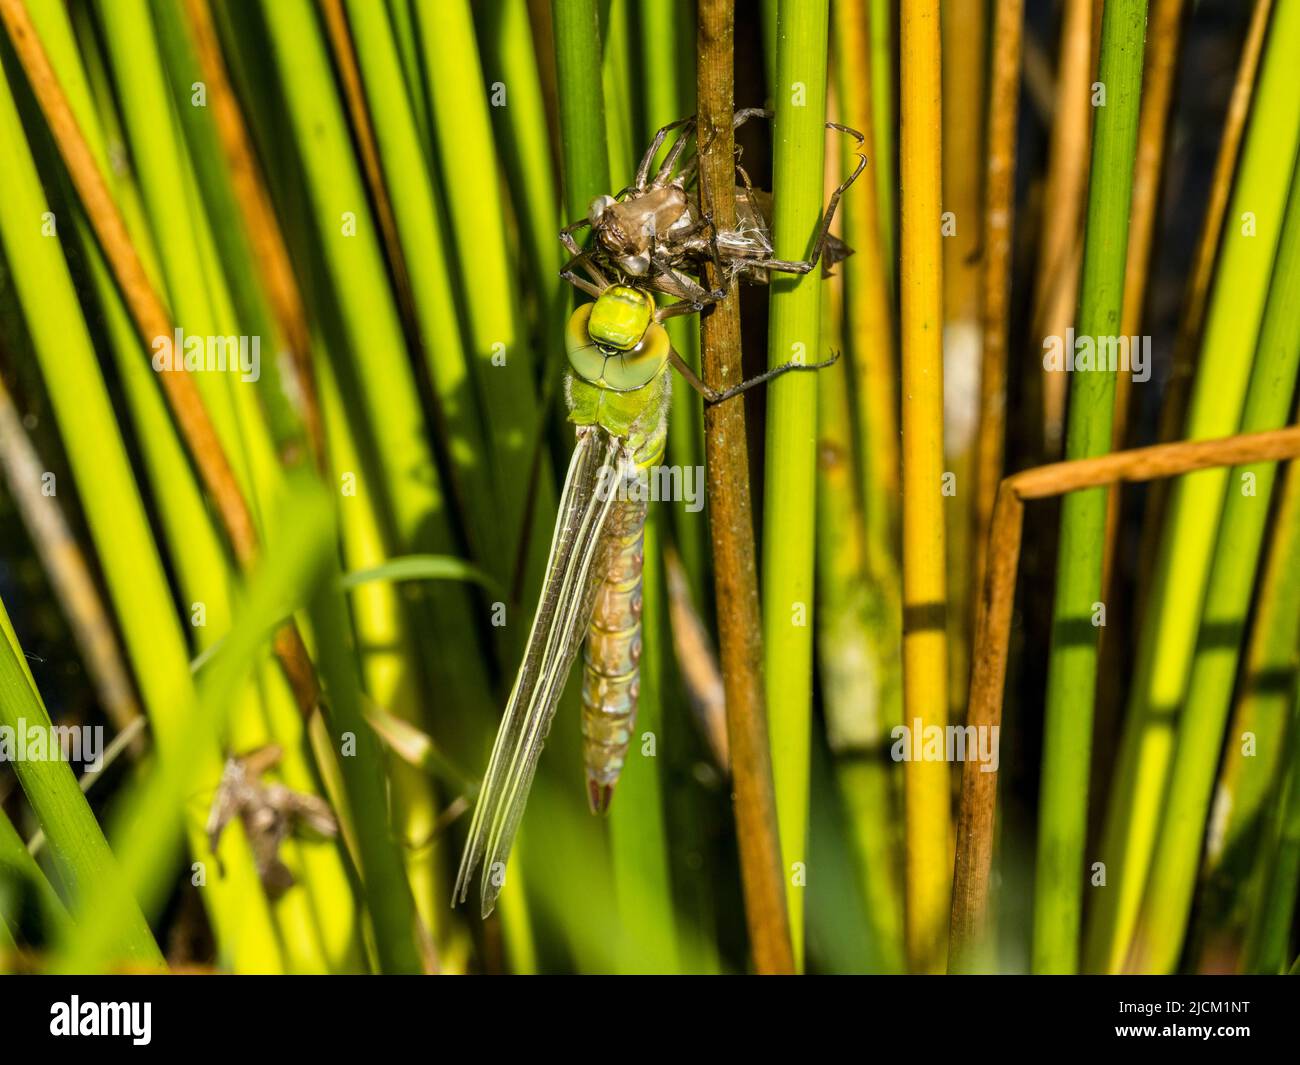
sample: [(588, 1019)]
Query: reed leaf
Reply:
[(1162, 921), (1167, 640), (1072, 673)]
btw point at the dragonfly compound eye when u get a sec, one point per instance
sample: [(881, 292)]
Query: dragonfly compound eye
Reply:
[(615, 341), (629, 370)]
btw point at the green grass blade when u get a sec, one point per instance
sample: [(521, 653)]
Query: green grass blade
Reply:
[(146, 822), (388, 894), (499, 352), (1162, 921), (85, 864), (790, 493), (860, 705), (638, 834), (1072, 673), (1270, 932), (119, 528), (1253, 773), (582, 104), (1177, 590)]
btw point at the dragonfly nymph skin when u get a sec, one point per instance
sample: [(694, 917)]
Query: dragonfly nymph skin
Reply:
[(618, 391)]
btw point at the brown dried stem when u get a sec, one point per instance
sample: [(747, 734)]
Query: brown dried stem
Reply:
[(730, 517), (993, 634), (999, 205)]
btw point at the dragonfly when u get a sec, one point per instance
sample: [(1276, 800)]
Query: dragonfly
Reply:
[(655, 234), (617, 391)]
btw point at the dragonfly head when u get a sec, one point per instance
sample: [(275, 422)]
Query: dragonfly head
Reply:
[(616, 342)]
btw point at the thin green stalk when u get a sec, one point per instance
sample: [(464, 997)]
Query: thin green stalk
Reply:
[(404, 32), (115, 515), (1072, 673), (667, 97), (510, 59), (790, 495), (1162, 921), (22, 883), (22, 879), (620, 89), (500, 361), (638, 832), (146, 821), (883, 124), (388, 895), (1254, 768), (427, 252), (582, 104), (869, 324), (82, 856), (1270, 933), (1181, 571), (858, 717)]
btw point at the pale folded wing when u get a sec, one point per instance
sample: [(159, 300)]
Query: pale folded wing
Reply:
[(573, 574)]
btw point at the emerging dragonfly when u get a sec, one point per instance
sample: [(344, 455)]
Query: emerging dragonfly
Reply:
[(655, 234), (617, 391)]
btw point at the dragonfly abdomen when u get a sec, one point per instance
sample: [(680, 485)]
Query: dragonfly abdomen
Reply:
[(611, 673)]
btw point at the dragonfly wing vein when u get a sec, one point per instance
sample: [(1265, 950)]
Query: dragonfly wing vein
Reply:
[(567, 599)]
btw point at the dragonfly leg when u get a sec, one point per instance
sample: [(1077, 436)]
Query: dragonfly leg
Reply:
[(593, 287), (673, 282), (647, 160), (674, 153), (706, 222), (581, 283), (803, 266), (567, 239), (739, 118), (712, 395), (676, 310)]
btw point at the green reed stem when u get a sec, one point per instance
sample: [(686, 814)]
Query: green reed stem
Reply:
[(85, 863), (1072, 673), (1176, 859), (1169, 630), (790, 494)]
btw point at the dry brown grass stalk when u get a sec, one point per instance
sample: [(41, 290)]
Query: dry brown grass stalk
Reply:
[(993, 630)]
